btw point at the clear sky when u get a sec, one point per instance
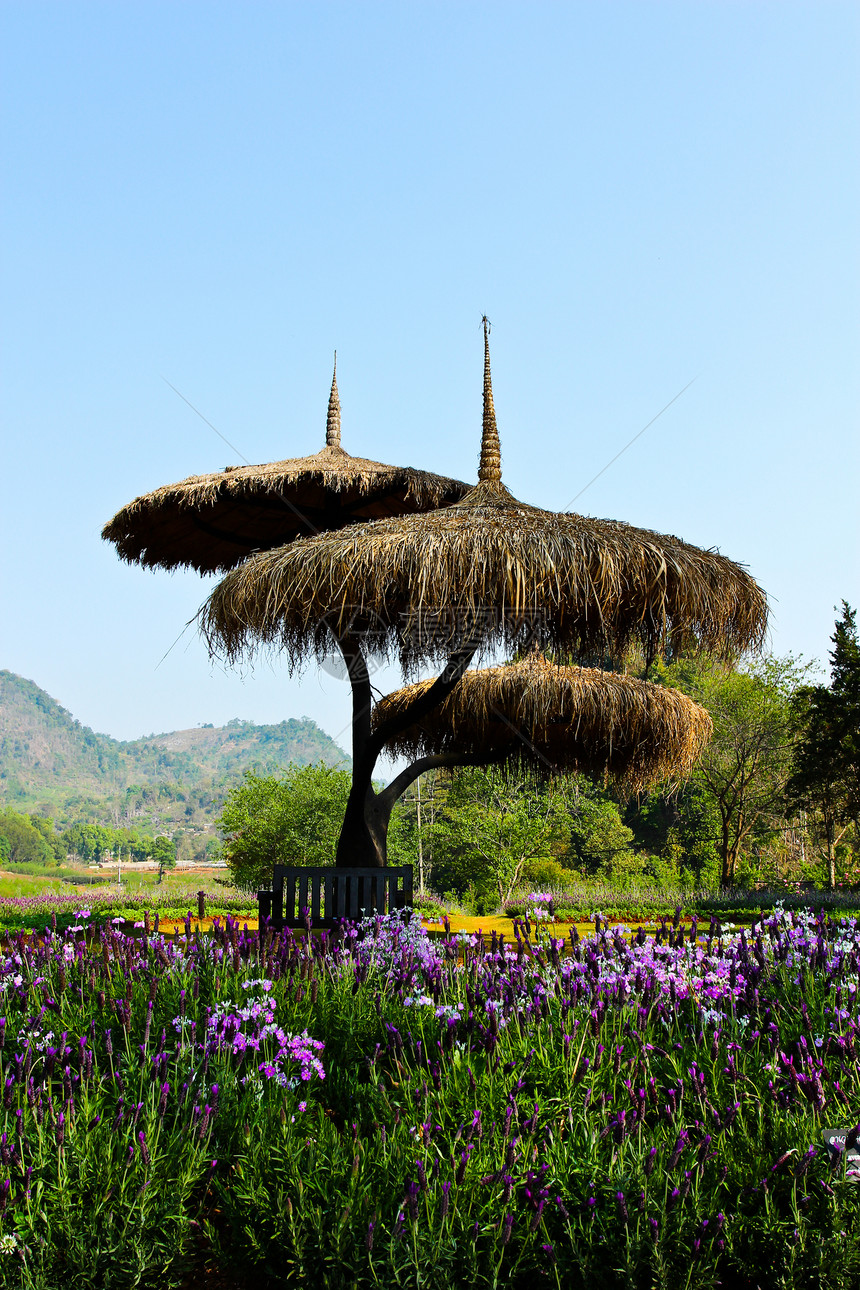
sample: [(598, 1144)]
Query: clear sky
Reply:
[(220, 194)]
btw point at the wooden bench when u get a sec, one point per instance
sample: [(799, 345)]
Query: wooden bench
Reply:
[(331, 894)]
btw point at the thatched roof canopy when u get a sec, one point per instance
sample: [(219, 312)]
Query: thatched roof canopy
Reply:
[(576, 585), (548, 719), (213, 522)]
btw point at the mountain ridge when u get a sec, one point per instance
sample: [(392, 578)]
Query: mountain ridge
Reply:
[(47, 755)]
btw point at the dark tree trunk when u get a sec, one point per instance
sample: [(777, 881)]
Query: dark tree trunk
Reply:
[(363, 841)]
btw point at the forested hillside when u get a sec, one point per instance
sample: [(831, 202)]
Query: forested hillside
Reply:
[(48, 759)]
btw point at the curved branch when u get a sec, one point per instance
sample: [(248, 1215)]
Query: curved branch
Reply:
[(389, 795), (438, 692)]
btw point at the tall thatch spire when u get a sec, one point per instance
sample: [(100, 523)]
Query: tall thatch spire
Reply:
[(490, 469), (332, 428)]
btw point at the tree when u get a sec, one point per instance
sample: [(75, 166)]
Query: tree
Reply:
[(46, 827), (445, 585), (491, 827), (89, 842), (745, 767), (825, 779), (26, 844), (680, 827), (290, 819), (164, 852), (600, 841)]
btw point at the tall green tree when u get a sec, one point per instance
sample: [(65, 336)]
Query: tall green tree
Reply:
[(291, 819), (679, 826), (54, 840), (600, 844), (490, 828), (88, 842), (25, 843), (745, 768), (164, 851), (825, 780)]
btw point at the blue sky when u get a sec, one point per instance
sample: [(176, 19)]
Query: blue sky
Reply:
[(221, 194)]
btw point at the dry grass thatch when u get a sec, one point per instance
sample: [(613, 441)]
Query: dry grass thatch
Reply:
[(548, 719), (213, 522), (489, 566), (577, 585)]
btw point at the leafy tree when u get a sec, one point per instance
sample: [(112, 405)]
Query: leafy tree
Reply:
[(290, 819), (5, 849), (600, 843), (826, 775), (490, 828), (745, 767), (680, 829), (25, 843), (49, 833), (89, 842), (164, 851)]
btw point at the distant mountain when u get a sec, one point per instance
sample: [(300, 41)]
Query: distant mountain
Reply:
[(48, 756)]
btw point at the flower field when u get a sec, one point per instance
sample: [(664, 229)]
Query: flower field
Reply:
[(370, 1107), (60, 909)]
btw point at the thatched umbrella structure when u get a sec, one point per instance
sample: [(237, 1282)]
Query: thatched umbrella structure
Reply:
[(488, 570), (579, 585), (213, 522), (547, 719)]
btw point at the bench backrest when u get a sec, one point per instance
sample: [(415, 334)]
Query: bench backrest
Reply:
[(328, 894)]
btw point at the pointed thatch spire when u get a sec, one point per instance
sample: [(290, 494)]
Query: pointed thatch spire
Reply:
[(490, 469), (332, 428)]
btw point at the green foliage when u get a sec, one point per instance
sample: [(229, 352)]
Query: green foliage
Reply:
[(744, 769), (680, 828), (600, 843), (25, 841), (291, 819), (164, 852), (88, 842), (825, 779), (544, 873), (489, 828)]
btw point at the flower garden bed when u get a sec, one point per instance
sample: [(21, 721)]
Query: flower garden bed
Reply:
[(375, 1108)]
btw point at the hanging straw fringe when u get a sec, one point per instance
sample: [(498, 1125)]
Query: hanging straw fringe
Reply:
[(535, 716)]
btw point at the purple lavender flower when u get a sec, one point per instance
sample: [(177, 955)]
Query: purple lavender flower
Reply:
[(144, 1150)]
